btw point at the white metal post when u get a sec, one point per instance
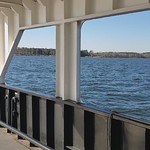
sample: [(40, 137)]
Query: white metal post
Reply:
[(2, 42), (9, 30), (6, 64), (68, 61)]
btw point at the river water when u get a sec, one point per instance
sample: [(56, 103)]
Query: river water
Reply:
[(116, 84)]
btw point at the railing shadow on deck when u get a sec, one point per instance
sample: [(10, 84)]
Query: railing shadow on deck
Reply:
[(55, 124)]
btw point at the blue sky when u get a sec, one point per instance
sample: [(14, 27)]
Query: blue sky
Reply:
[(130, 32), (39, 37)]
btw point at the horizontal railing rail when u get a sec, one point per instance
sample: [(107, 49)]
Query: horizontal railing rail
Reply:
[(51, 123)]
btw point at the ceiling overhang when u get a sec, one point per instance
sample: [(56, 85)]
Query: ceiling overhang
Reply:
[(6, 2), (2, 5)]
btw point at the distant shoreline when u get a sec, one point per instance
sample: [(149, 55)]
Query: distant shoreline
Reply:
[(84, 53)]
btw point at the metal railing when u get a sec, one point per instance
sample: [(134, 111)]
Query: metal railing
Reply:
[(55, 124)]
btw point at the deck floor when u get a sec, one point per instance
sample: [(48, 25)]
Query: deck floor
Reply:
[(9, 142)]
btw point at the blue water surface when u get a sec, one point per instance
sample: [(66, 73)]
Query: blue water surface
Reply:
[(116, 84)]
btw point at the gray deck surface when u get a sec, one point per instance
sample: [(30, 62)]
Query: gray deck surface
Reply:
[(10, 142)]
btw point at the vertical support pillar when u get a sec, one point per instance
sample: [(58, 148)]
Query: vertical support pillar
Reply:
[(8, 41), (6, 45), (68, 61), (59, 60), (20, 13), (9, 30), (2, 42), (31, 11), (7, 62)]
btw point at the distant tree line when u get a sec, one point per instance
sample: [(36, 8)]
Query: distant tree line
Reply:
[(35, 51), (84, 53)]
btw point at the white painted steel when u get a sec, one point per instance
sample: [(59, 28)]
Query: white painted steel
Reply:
[(4, 5), (7, 62), (18, 2), (67, 16), (68, 61), (2, 42)]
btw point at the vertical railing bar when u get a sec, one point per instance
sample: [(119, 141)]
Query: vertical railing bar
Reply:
[(43, 121), (2, 105), (68, 126), (35, 117), (59, 125), (50, 123), (89, 130), (116, 135), (147, 139), (29, 115), (23, 113)]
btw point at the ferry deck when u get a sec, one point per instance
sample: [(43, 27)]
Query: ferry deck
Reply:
[(63, 122)]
